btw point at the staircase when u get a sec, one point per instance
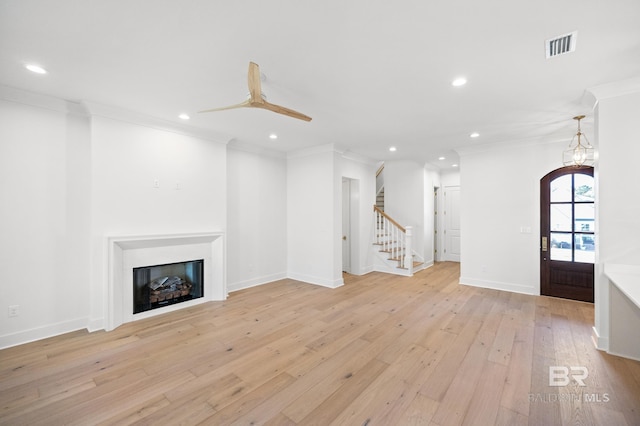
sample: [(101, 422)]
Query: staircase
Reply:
[(393, 242), (380, 199)]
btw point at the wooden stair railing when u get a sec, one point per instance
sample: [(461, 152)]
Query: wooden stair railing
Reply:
[(393, 239)]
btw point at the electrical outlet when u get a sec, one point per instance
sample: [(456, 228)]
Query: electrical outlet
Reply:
[(14, 310), (156, 183)]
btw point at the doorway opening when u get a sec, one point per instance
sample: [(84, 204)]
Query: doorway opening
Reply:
[(350, 221)]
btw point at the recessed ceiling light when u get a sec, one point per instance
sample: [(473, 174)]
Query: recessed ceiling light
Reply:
[(35, 68), (460, 81), (442, 158), (454, 165), (184, 116), (392, 148), (273, 136), (474, 135)]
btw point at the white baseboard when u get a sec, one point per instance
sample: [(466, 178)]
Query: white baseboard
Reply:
[(622, 355), (254, 282), (496, 285), (601, 343), (95, 325), (316, 280), (40, 333), (423, 266), (362, 271)]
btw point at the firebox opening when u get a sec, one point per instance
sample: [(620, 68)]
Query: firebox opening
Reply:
[(161, 285)]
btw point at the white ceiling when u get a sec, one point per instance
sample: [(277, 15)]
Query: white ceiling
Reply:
[(371, 73)]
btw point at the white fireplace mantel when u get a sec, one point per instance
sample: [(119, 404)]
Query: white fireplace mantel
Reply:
[(128, 252)]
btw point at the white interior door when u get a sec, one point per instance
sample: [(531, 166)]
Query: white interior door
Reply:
[(452, 223), (436, 226), (346, 225)]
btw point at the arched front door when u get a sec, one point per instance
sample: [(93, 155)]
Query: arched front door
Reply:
[(567, 228)]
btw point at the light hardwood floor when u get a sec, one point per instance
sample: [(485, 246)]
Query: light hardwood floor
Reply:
[(381, 350)]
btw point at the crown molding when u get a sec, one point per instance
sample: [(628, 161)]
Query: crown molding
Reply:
[(39, 100), (487, 147), (332, 148), (133, 117), (92, 109), (314, 150), (613, 89), (352, 156), (237, 145)]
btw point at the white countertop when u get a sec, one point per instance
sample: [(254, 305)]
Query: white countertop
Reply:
[(626, 278)]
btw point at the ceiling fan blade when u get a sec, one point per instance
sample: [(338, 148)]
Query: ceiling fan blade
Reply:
[(282, 110), (256, 100), (246, 103), (255, 85)]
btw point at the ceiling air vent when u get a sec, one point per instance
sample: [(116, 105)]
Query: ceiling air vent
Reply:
[(561, 45)]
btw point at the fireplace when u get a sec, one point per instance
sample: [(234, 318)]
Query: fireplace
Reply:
[(135, 259), (167, 284)]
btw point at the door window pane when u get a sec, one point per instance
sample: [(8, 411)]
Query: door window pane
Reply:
[(585, 215), (561, 189), (561, 246), (560, 219), (583, 187), (585, 248)]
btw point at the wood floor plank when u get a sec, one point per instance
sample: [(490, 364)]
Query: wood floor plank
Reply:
[(436, 386), (455, 402), (137, 413), (502, 346), (419, 412), (485, 401), (381, 349), (511, 418), (326, 412), (246, 403), (389, 389), (515, 396)]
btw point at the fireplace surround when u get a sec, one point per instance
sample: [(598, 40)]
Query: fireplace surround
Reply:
[(126, 253)]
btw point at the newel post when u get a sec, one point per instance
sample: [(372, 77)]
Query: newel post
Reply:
[(408, 256)]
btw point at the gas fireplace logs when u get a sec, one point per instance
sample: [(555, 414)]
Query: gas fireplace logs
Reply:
[(167, 288)]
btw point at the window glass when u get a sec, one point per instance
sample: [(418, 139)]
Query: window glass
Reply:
[(585, 215), (585, 248), (561, 189), (561, 217), (583, 187), (561, 246)]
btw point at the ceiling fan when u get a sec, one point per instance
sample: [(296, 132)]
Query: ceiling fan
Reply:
[(257, 99)]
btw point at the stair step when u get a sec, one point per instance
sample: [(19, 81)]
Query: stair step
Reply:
[(397, 258), (385, 243), (393, 251), (415, 265)]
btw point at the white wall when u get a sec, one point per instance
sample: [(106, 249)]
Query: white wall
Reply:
[(450, 178), (127, 160), (314, 216), (500, 195), (617, 196), (44, 219), (257, 218), (404, 194)]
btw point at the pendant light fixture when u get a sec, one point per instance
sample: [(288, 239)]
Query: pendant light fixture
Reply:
[(578, 154)]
